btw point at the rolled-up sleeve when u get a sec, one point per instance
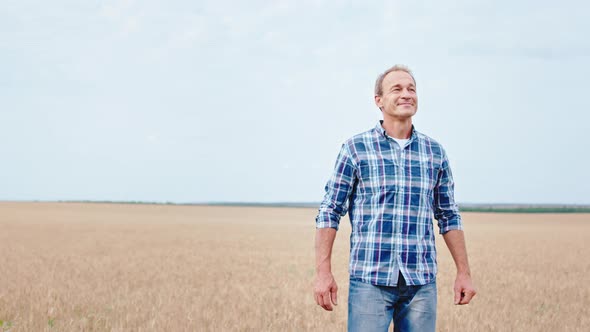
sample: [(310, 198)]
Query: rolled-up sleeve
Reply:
[(446, 211), (338, 191)]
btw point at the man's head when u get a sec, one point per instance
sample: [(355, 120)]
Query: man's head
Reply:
[(395, 93)]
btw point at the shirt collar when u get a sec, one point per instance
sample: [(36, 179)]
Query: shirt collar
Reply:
[(381, 131)]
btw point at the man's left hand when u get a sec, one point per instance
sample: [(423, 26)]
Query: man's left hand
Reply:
[(464, 290)]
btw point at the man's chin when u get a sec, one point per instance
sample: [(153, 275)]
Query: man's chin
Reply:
[(407, 112), (401, 116)]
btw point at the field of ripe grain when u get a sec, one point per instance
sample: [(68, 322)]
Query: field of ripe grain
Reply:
[(108, 267)]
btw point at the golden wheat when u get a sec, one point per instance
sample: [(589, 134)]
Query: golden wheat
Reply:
[(109, 267)]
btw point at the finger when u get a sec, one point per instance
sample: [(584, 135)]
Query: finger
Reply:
[(317, 301), (334, 296), (320, 300), (327, 304), (457, 296), (467, 298)]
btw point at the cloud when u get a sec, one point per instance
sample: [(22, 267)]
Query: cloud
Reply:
[(115, 9), (523, 29)]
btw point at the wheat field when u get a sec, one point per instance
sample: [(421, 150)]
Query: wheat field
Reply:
[(115, 267)]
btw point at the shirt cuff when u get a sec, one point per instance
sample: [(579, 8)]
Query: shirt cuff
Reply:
[(324, 221), (454, 224)]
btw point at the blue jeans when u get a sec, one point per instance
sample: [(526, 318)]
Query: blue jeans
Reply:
[(371, 308)]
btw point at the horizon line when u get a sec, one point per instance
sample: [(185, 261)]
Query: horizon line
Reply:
[(287, 203)]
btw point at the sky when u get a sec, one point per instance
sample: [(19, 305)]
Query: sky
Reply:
[(250, 101)]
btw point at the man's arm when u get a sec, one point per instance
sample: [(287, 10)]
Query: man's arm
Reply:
[(325, 288), (332, 208), (464, 290), (450, 224)]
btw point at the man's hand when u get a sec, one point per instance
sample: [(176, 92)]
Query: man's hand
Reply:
[(325, 290), (464, 290)]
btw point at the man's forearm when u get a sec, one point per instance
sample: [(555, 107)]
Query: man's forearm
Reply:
[(455, 241), (324, 241)]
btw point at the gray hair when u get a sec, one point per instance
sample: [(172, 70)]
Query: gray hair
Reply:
[(379, 82)]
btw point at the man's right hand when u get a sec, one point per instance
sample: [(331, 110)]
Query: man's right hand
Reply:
[(325, 290)]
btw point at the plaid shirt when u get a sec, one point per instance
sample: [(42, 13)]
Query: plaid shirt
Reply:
[(391, 194)]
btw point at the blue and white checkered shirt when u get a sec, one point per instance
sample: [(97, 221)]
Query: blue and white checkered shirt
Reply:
[(391, 194)]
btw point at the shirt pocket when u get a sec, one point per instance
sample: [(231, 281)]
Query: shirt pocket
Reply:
[(380, 176), (422, 175)]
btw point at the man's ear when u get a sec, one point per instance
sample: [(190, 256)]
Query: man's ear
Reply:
[(378, 101)]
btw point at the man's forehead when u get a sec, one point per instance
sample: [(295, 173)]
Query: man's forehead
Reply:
[(398, 77)]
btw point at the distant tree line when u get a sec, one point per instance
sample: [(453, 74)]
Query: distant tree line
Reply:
[(495, 208)]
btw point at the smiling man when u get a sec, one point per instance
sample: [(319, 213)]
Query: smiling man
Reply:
[(391, 180)]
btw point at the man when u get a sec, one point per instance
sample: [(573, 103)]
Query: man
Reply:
[(391, 179)]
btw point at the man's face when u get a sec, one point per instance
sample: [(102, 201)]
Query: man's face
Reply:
[(398, 100)]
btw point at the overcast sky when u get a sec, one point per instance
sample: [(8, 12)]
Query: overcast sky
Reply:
[(197, 101)]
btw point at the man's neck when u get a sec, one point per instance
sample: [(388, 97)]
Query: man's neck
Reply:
[(398, 128)]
